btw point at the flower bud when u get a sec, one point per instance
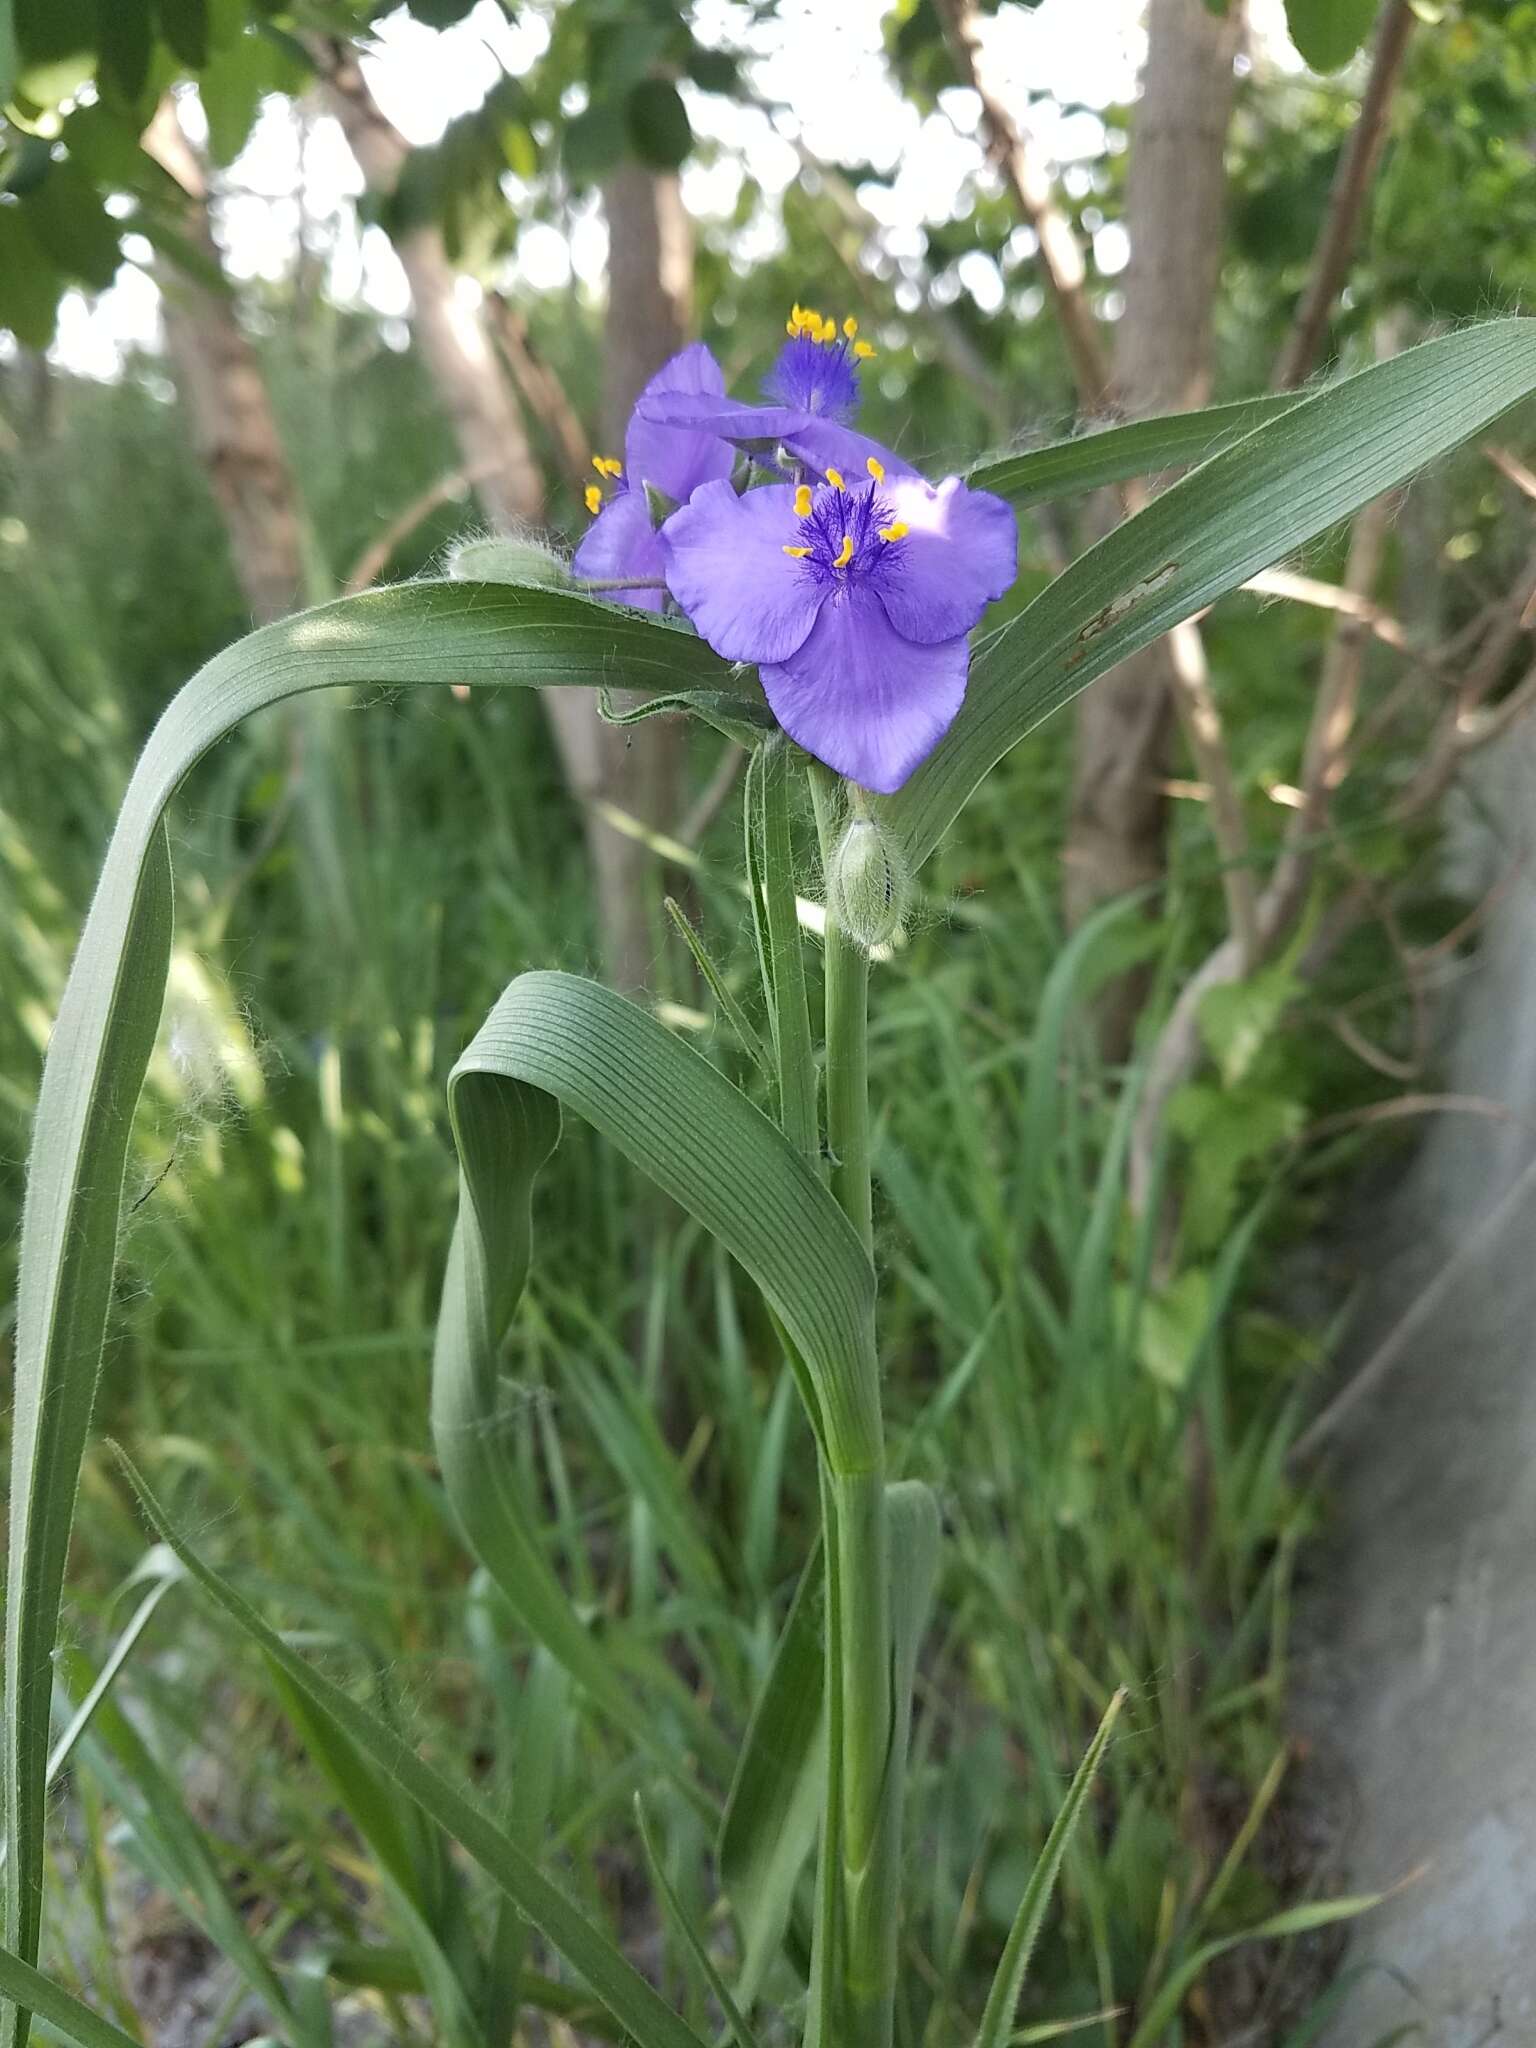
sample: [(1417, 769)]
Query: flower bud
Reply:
[(867, 886), (493, 558)]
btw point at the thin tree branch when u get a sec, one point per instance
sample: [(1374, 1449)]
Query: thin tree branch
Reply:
[(1346, 201), (1513, 468), (1061, 260), (1201, 720), (374, 559), (541, 389), (705, 807)]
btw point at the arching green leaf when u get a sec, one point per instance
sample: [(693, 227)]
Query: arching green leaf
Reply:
[(425, 633), (1277, 488)]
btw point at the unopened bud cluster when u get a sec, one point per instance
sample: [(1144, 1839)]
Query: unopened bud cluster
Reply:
[(867, 884)]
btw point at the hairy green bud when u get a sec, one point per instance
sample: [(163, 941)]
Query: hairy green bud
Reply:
[(495, 558), (867, 886)]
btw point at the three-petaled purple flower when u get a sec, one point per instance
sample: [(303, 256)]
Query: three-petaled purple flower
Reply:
[(674, 460), (813, 389), (854, 599)]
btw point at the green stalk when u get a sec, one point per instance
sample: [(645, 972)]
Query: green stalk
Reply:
[(859, 1621), (847, 1023), (770, 860)]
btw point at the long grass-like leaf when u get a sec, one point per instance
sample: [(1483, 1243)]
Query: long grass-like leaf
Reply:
[(426, 633), (686, 1932), (620, 1988), (1163, 2010), (1270, 492), (1112, 455), (1003, 1999), (775, 1801), (555, 1040), (28, 1990)]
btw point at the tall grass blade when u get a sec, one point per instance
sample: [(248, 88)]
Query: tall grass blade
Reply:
[(27, 1990), (176, 1848), (1164, 2008), (1003, 1999), (683, 1926), (620, 1988), (414, 1894), (775, 1800)]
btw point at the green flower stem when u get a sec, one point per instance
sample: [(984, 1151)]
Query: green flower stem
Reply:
[(859, 1644), (847, 985), (779, 936)]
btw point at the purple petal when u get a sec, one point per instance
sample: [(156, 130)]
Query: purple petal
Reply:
[(673, 458), (859, 697), (622, 542), (826, 445), (727, 568), (960, 553), (728, 418), (821, 443)]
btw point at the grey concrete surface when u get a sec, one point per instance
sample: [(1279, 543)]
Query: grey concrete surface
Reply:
[(1422, 1632)]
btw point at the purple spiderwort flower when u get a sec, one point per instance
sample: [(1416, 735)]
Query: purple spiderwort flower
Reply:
[(855, 601), (814, 389), (674, 460)]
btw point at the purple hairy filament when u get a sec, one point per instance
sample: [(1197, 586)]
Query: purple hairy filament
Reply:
[(846, 534)]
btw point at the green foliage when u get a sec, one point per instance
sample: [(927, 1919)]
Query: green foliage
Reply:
[(1034, 1277), (1329, 32)]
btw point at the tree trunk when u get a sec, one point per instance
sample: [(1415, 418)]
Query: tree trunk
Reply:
[(1175, 204), (225, 394), (636, 768), (603, 764)]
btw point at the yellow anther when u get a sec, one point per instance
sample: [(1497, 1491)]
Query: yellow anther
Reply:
[(844, 553), (875, 467), (850, 327), (835, 479), (803, 502), (897, 530), (594, 498), (606, 465), (828, 331), (791, 328), (863, 351), (798, 553)]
